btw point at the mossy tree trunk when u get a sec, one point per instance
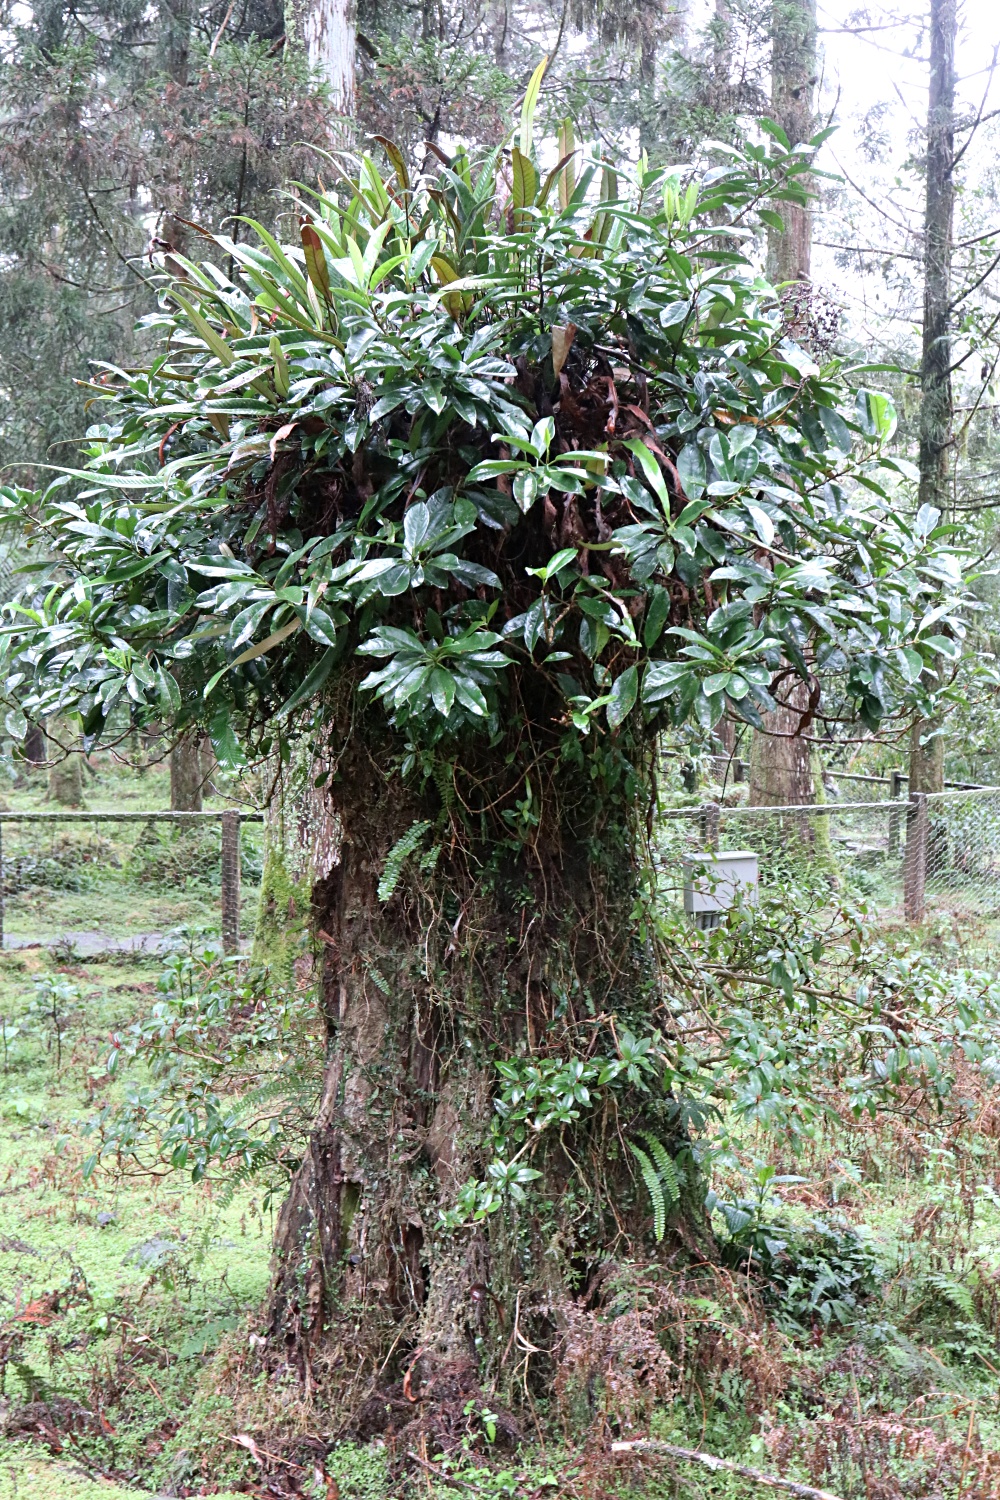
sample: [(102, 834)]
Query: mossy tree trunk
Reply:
[(301, 846), (521, 948), (186, 775)]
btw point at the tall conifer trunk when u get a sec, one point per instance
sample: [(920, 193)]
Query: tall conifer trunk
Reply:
[(793, 84), (327, 29), (781, 764), (936, 403)]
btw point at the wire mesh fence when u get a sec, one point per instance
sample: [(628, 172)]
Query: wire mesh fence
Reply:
[(105, 877), (908, 858)]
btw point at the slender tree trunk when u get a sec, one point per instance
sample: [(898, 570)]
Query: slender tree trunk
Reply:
[(793, 83), (935, 368), (926, 757), (186, 776), (175, 53), (721, 88), (175, 38), (33, 750), (647, 78), (936, 402)]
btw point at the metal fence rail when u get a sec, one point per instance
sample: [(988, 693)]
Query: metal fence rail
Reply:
[(230, 819), (736, 771)]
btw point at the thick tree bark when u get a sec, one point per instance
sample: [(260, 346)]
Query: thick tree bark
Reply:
[(482, 952), (301, 847), (781, 772), (186, 776), (936, 400), (786, 771), (793, 82)]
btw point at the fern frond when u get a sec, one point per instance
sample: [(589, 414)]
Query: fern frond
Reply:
[(443, 772), (952, 1292), (397, 857), (378, 979), (290, 1085), (655, 1189), (665, 1166), (244, 1174)]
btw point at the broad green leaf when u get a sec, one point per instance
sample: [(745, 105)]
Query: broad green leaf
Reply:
[(656, 617), (17, 724), (692, 470), (651, 471), (316, 266), (224, 742), (623, 696), (524, 182)]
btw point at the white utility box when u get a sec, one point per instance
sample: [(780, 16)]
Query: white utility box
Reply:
[(712, 881)]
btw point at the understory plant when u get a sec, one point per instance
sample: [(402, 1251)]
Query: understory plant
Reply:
[(470, 489)]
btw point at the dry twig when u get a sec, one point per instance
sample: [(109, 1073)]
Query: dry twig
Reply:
[(694, 1455)]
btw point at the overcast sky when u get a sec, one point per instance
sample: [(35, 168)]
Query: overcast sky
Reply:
[(874, 69)]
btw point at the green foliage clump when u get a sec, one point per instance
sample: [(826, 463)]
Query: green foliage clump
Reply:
[(485, 434), (234, 1071)]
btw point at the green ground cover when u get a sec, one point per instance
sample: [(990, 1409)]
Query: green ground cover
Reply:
[(850, 1338), (142, 1278)]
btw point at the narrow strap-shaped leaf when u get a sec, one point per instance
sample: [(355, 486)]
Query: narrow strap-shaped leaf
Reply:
[(294, 275), (205, 331), (316, 266), (529, 105)]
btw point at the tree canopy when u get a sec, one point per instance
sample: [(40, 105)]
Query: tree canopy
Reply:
[(505, 417)]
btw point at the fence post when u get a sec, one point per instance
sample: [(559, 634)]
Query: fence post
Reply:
[(710, 825), (895, 783), (230, 882), (915, 860)]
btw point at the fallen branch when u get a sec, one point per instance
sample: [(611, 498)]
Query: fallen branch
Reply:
[(693, 1455)]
